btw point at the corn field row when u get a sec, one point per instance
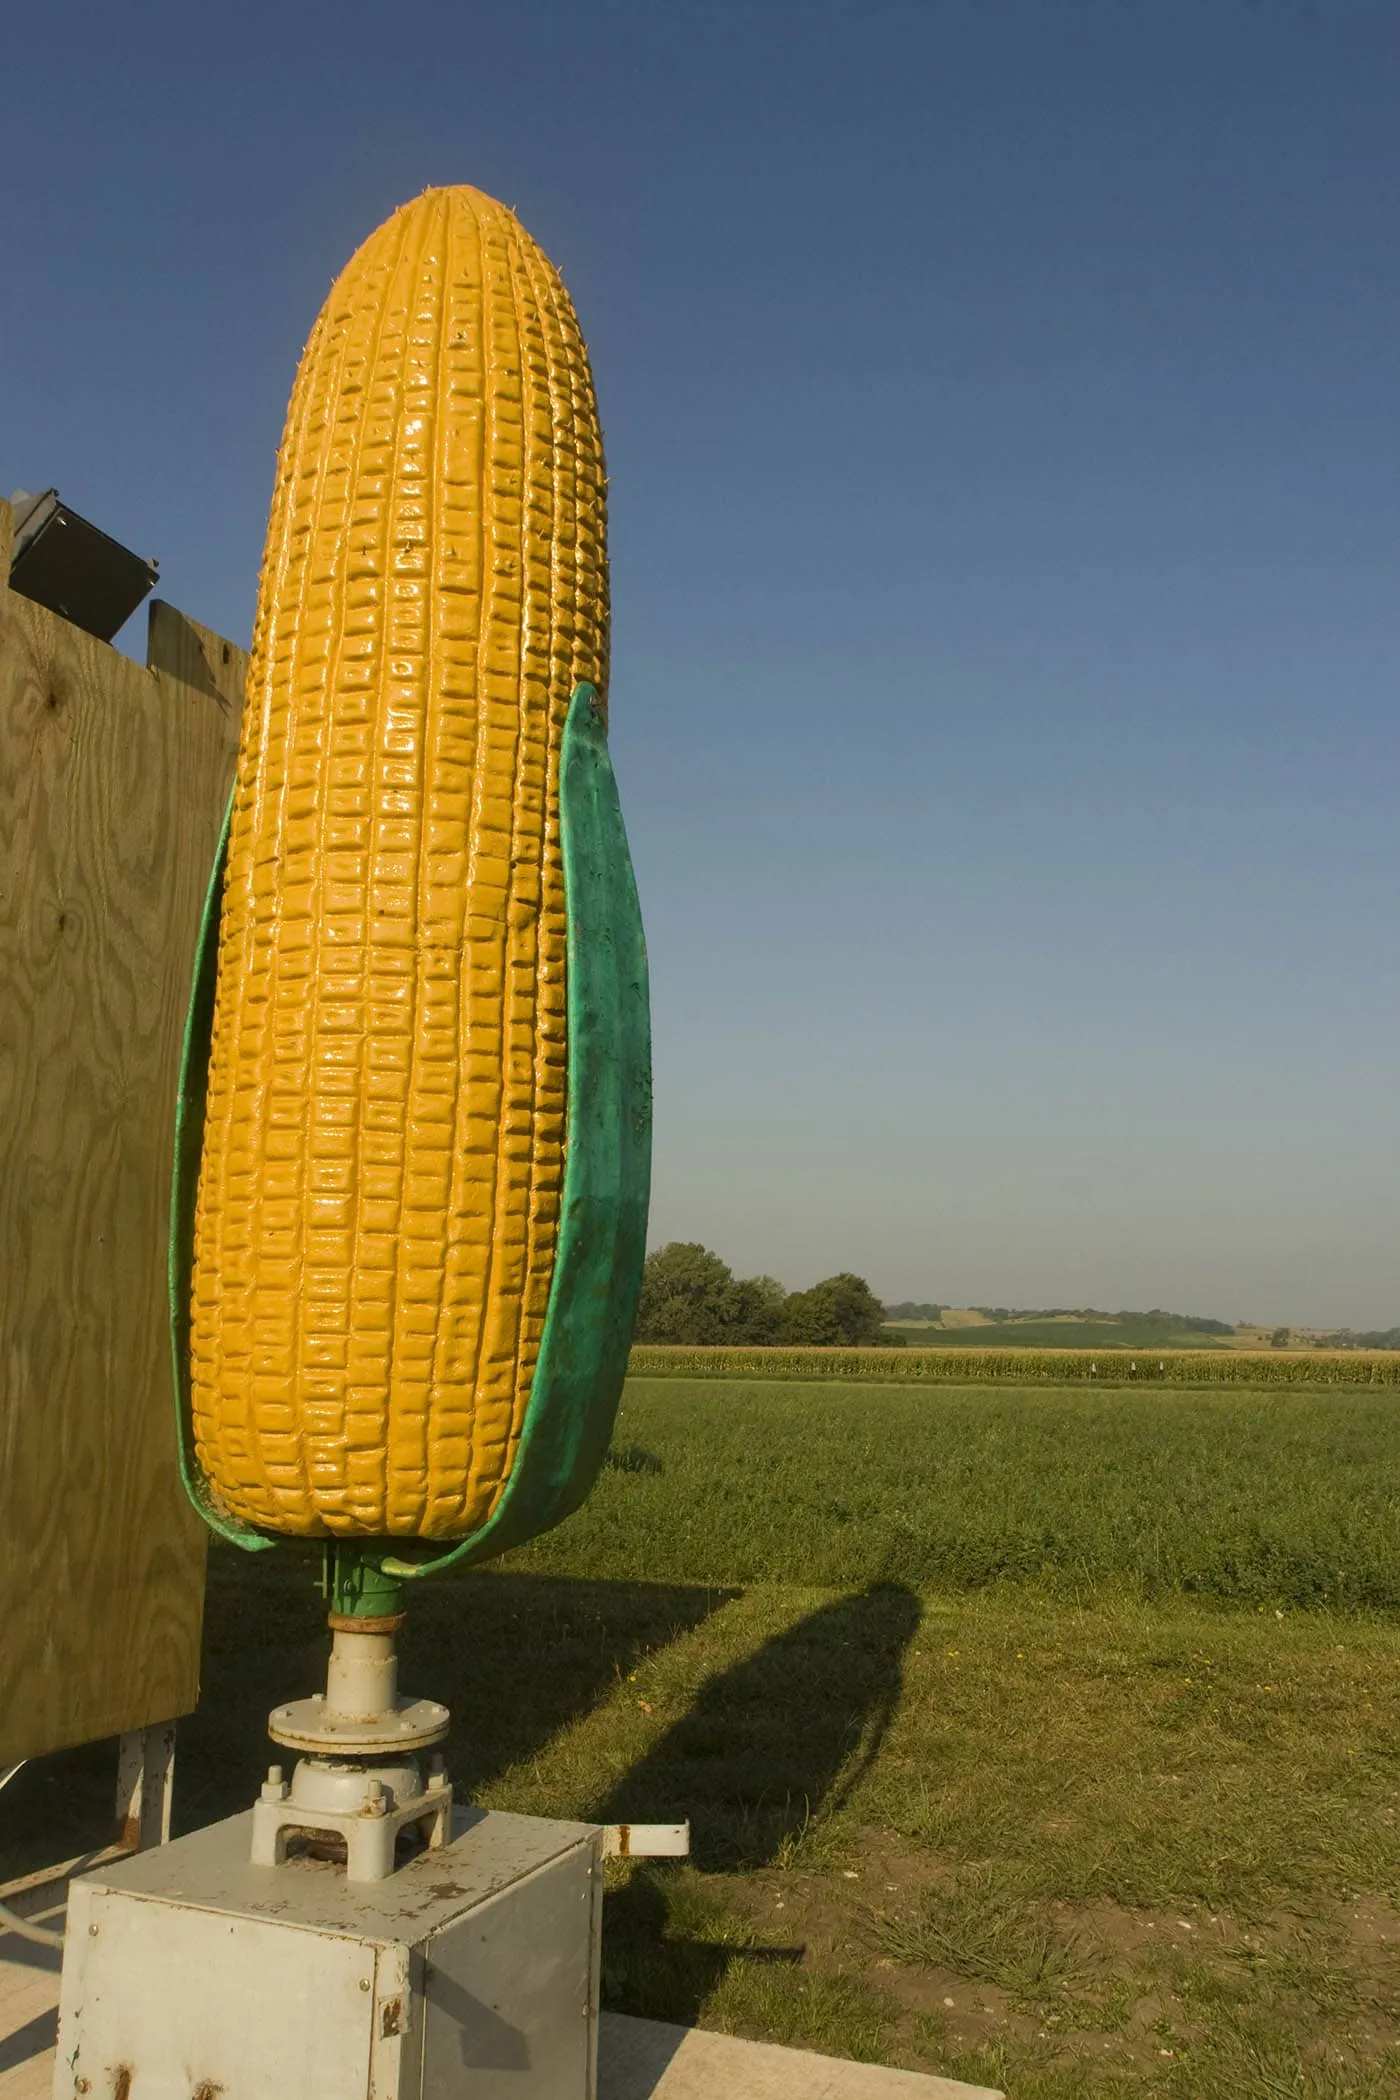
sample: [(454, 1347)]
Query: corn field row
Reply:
[(944, 1366)]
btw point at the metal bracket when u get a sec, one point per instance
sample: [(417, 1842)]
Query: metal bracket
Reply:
[(646, 1840)]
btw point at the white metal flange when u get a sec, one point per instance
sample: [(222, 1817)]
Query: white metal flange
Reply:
[(315, 1726)]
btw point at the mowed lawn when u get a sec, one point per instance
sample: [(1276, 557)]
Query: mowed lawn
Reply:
[(1046, 1738)]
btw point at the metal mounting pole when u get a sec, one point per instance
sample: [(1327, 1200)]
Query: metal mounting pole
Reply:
[(357, 1784)]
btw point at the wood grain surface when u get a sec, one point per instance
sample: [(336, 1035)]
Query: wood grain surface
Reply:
[(113, 780)]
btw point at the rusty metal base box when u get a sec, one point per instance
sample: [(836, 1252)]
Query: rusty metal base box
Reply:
[(470, 1974)]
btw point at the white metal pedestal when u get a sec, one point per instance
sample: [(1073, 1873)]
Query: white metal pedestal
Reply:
[(367, 1808), (469, 1974)]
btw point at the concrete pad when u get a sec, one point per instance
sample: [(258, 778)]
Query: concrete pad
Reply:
[(649, 2060), (28, 2011), (637, 2059)]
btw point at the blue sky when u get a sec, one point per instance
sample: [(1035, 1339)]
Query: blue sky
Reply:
[(1001, 406)]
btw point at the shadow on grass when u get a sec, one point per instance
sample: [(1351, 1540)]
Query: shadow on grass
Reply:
[(767, 1746), (516, 1657)]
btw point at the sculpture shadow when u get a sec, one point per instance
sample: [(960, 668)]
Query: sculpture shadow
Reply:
[(767, 1746)]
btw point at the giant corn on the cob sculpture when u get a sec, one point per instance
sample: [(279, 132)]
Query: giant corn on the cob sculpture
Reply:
[(416, 1100)]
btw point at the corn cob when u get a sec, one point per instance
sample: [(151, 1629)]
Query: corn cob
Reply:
[(384, 1141)]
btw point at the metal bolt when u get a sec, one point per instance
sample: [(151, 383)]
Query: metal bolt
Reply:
[(364, 1983), (92, 1932), (274, 1775)]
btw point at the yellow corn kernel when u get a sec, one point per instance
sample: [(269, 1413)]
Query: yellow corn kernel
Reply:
[(383, 1154)]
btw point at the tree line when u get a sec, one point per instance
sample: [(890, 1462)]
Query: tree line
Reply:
[(690, 1295)]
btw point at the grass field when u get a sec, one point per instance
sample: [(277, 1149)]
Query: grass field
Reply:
[(1262, 1498), (1049, 1739)]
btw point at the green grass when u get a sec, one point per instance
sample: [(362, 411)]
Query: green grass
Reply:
[(1140, 1848), (1033, 1814), (978, 1926), (1102, 1832), (1273, 1499)]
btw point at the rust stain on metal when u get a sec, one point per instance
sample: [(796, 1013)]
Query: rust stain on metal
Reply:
[(206, 2090), (624, 1840), (346, 1622), (391, 2018), (121, 2083)]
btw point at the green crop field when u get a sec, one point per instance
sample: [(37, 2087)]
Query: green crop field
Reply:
[(960, 1360), (1263, 1498), (1046, 1737)]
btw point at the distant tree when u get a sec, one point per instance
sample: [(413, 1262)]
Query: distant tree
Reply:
[(840, 1309), (1166, 1322), (759, 1303), (1279, 1338), (688, 1295)]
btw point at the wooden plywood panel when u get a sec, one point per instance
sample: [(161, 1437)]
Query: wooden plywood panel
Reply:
[(113, 780), (194, 656)]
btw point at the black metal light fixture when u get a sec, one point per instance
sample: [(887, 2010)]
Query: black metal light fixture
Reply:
[(62, 561)]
